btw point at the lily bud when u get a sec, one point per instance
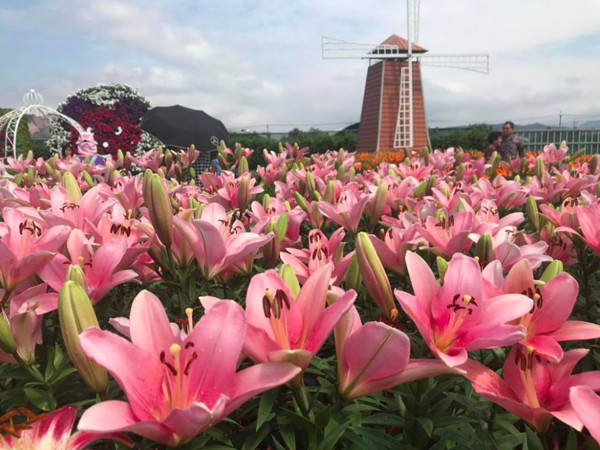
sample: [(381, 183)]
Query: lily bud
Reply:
[(72, 187), (430, 184), (7, 341), (168, 159), (458, 156), (159, 207), (310, 184), (242, 167), (120, 158), (340, 173), (460, 172), (266, 201), (243, 193), (442, 266), (30, 177), (540, 169), (76, 314), (301, 201), (316, 218), (593, 165), (578, 153), (341, 156), (272, 248), (19, 179), (531, 210), (425, 155), (517, 179), (288, 275), (495, 160), (373, 273), (351, 174), (484, 249), (353, 278), (330, 192), (379, 203), (598, 190), (420, 190), (553, 269), (76, 274), (88, 178)]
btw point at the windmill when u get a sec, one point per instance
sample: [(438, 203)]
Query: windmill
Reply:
[(393, 111)]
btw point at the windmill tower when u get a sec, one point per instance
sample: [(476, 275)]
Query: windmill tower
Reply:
[(393, 111)]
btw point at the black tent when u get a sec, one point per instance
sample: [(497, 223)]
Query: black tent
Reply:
[(178, 126)]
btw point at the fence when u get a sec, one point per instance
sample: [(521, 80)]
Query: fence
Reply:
[(576, 139)]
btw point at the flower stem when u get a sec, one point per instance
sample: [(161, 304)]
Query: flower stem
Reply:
[(302, 400)]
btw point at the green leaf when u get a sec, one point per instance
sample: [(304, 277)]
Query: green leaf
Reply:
[(571, 440), (265, 406), (256, 438), (332, 438), (286, 430), (65, 373), (533, 440), (427, 425), (42, 399), (59, 357)]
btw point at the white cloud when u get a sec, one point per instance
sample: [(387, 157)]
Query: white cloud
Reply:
[(259, 61)]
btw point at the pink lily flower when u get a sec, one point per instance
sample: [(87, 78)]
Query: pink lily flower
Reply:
[(532, 388), (588, 217), (100, 266), (284, 328), (448, 235), (53, 431), (457, 318), (177, 386), (546, 323), (587, 407), (25, 320), (347, 212), (25, 246), (213, 243), (566, 216), (393, 246), (374, 357), (552, 155), (263, 216), (321, 251), (511, 246)]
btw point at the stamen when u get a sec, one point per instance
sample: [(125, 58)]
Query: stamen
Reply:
[(266, 307), (188, 313), (193, 358), (169, 366)]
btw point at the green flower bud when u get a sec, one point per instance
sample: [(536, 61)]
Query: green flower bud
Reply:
[(159, 207), (301, 201), (75, 273), (460, 172), (442, 266), (243, 193), (72, 187), (379, 203), (375, 279), (76, 314), (310, 184), (7, 341), (540, 169), (288, 275), (266, 201), (553, 269), (243, 167), (593, 165), (340, 173), (330, 192), (353, 278), (425, 155), (531, 210), (420, 190), (484, 249), (88, 178)]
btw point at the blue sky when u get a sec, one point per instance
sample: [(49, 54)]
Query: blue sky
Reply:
[(252, 62)]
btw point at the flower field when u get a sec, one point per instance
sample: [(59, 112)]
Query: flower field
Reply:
[(322, 301)]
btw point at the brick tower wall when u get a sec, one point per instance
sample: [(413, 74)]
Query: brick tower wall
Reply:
[(380, 112)]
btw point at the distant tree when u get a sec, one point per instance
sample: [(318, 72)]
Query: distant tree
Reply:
[(24, 142)]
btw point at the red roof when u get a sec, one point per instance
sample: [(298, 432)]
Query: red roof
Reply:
[(402, 44)]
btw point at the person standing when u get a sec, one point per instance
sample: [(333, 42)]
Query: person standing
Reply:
[(512, 145), (494, 144)]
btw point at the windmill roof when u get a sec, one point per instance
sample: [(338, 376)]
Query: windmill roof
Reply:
[(402, 44)]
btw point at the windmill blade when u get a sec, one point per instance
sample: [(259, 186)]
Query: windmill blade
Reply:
[(474, 62), (338, 49), (416, 7)]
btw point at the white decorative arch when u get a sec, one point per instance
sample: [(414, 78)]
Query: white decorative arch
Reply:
[(33, 103)]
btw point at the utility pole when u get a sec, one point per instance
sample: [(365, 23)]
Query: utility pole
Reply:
[(560, 119)]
